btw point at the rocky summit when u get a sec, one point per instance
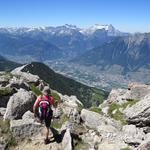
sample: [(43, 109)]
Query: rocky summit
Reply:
[(121, 122)]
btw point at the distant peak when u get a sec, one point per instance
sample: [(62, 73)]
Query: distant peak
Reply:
[(102, 26), (92, 29), (71, 26)]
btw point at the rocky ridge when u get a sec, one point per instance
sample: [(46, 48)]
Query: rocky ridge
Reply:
[(120, 123)]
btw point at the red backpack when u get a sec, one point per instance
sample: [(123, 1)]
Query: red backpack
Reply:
[(44, 108)]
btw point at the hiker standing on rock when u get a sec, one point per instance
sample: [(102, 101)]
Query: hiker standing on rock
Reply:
[(43, 110)]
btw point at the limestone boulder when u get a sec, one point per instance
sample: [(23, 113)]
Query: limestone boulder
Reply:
[(67, 141), (28, 115), (94, 120), (23, 128), (139, 114), (28, 77), (119, 96), (132, 135), (19, 103), (71, 106)]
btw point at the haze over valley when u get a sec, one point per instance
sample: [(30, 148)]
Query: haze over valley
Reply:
[(99, 55)]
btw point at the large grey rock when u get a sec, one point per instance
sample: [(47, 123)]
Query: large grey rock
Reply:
[(24, 128), (28, 115), (92, 138), (94, 120), (67, 141), (139, 114), (119, 95), (132, 135), (26, 75), (70, 107), (135, 91), (138, 90), (109, 132), (57, 111), (71, 101), (19, 103)]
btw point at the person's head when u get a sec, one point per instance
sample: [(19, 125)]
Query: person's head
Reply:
[(46, 91)]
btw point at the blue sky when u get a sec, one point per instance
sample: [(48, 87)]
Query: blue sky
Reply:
[(125, 15)]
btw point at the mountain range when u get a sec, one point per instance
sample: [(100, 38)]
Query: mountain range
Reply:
[(130, 53), (99, 49), (62, 41)]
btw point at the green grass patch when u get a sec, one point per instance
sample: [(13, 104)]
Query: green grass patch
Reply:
[(118, 115), (57, 123), (11, 142), (129, 103), (80, 107), (96, 109), (57, 98), (6, 91), (35, 90), (4, 126)]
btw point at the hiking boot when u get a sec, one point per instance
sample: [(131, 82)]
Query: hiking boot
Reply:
[(46, 141)]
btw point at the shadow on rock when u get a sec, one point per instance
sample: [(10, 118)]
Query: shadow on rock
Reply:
[(58, 137)]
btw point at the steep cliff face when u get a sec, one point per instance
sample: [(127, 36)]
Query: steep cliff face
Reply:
[(131, 53)]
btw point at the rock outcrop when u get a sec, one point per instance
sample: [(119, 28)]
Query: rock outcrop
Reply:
[(139, 114), (132, 135), (118, 95), (28, 115), (94, 120), (135, 91), (24, 128), (67, 141), (28, 77), (71, 106), (19, 103)]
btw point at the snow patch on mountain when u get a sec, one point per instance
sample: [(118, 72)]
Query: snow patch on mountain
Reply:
[(65, 29)]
